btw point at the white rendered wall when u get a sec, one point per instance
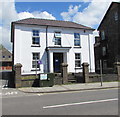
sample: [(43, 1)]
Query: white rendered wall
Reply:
[(23, 50)]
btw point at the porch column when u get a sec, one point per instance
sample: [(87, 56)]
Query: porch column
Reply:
[(51, 62), (65, 57)]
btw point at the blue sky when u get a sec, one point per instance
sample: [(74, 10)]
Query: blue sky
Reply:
[(55, 8), (86, 13)]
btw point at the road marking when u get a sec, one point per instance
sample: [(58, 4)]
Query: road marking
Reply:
[(80, 103), (39, 94), (79, 91), (9, 93)]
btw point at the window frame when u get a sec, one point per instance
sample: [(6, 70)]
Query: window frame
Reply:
[(78, 60), (35, 35), (35, 60), (77, 39), (104, 50), (57, 38), (116, 16), (103, 35)]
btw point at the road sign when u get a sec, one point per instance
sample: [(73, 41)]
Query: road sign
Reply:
[(39, 62)]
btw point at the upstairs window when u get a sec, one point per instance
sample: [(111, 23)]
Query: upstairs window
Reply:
[(57, 38), (35, 59), (103, 35), (76, 39), (116, 16), (77, 60), (104, 51), (35, 37)]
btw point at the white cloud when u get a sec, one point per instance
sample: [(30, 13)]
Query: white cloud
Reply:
[(36, 14), (8, 14), (71, 12), (5, 35), (91, 15), (43, 15)]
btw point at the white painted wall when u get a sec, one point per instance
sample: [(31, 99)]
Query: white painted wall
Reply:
[(23, 50)]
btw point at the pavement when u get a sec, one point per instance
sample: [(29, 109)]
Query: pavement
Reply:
[(70, 87)]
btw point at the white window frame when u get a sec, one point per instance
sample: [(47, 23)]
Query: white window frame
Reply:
[(77, 39), (35, 36), (35, 60), (78, 60), (56, 38)]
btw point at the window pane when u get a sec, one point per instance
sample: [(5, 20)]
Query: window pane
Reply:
[(35, 56), (35, 40), (77, 60), (57, 34), (77, 56), (34, 64), (77, 42), (102, 35), (35, 32), (116, 16), (57, 41), (104, 51), (77, 64), (76, 35)]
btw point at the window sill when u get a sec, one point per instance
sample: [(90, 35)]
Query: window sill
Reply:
[(35, 46), (35, 70), (78, 67), (77, 46), (58, 45)]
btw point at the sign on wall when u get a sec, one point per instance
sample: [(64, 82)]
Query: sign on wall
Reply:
[(43, 76)]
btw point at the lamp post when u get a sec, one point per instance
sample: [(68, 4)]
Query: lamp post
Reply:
[(101, 78)]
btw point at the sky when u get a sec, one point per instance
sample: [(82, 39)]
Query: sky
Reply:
[(85, 12)]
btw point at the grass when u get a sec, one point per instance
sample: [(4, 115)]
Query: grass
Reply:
[(29, 77)]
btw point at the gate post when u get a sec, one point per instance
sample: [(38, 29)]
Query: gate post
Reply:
[(64, 72), (17, 80), (85, 72), (117, 68)]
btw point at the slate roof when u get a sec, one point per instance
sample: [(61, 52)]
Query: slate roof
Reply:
[(4, 52), (107, 12), (54, 23)]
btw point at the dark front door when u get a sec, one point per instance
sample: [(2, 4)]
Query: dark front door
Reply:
[(57, 60)]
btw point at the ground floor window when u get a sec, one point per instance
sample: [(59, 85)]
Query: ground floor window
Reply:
[(77, 60), (35, 59), (104, 64)]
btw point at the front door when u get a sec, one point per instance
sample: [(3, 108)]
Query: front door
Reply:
[(57, 60)]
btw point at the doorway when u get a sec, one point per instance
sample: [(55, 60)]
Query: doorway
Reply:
[(57, 60)]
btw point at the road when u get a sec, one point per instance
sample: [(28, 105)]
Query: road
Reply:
[(94, 102)]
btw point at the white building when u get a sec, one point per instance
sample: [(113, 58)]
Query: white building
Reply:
[(51, 42)]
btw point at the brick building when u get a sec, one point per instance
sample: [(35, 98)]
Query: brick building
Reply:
[(107, 46), (5, 59)]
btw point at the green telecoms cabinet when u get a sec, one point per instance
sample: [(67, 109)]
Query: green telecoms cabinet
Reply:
[(46, 79)]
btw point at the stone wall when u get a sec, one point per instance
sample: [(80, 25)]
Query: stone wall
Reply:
[(29, 81), (105, 77)]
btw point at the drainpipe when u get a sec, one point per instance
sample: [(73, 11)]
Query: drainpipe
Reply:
[(47, 49), (89, 52)]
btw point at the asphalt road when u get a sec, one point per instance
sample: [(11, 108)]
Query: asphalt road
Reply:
[(95, 102)]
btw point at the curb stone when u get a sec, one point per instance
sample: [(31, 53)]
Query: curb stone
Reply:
[(68, 90)]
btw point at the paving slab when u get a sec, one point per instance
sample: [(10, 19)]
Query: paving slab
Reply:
[(71, 87)]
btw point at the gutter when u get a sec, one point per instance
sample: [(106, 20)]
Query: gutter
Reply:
[(89, 51), (12, 41), (47, 49)]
